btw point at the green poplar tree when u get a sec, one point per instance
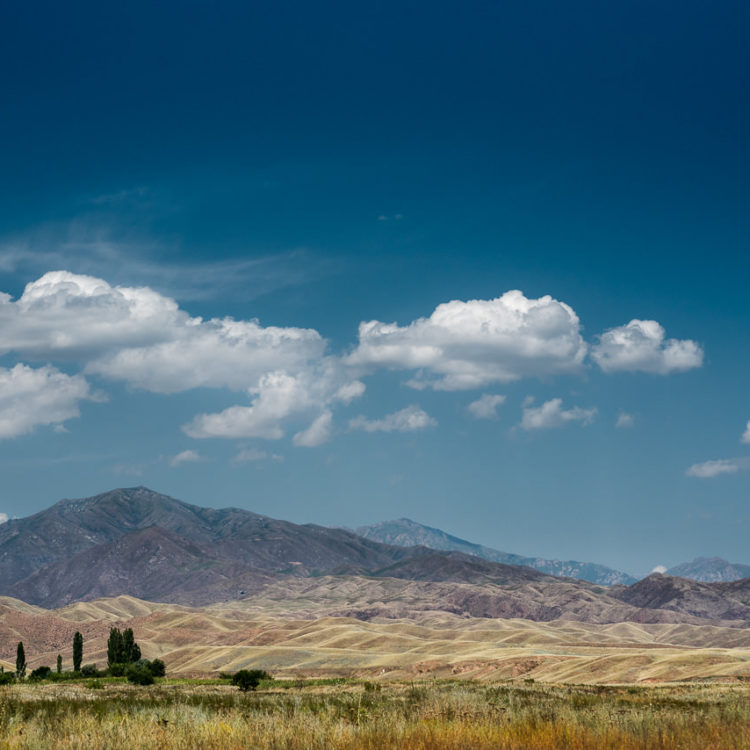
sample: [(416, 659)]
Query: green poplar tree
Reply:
[(59, 664), (20, 661), (114, 647), (77, 651)]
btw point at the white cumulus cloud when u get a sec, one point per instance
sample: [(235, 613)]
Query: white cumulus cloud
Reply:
[(551, 414), (659, 569), (746, 434), (139, 336), (485, 407), (281, 396), (185, 457), (464, 345), (406, 420), (42, 396), (640, 346), (3, 518), (717, 467), (142, 337)]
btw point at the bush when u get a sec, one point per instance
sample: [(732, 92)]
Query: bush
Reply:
[(7, 678), (157, 667), (117, 669), (90, 670), (249, 679), (40, 673), (139, 675)]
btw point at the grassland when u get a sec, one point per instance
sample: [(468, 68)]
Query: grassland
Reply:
[(344, 715)]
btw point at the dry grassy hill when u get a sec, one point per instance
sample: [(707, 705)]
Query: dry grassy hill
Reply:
[(232, 635)]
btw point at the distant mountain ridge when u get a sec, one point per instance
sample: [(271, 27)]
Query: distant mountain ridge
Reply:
[(141, 543), (710, 570), (404, 532)]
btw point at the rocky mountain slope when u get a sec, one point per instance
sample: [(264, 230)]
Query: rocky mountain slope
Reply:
[(711, 570), (407, 533)]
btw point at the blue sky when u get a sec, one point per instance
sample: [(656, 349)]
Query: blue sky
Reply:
[(272, 254)]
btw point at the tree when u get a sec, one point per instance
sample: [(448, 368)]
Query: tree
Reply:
[(249, 679), (114, 647), (122, 648), (20, 661), (59, 664), (131, 652), (77, 651)]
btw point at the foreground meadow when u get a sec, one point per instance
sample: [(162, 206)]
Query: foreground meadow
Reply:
[(341, 715)]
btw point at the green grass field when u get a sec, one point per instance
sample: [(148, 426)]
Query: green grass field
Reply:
[(355, 714)]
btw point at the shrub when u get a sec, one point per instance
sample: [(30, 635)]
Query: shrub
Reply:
[(157, 667), (117, 669), (40, 673), (249, 679), (90, 670), (139, 675), (6, 678)]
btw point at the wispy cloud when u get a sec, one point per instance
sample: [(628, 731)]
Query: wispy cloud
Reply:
[(126, 258), (717, 467), (406, 420), (186, 457), (624, 420), (254, 455)]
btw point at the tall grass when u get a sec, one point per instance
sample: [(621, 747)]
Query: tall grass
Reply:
[(421, 716)]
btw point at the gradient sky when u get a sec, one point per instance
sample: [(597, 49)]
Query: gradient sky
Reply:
[(229, 190)]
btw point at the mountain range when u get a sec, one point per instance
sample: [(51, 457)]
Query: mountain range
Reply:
[(710, 570), (141, 543), (407, 533)]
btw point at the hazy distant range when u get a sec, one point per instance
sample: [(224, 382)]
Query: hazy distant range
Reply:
[(407, 533)]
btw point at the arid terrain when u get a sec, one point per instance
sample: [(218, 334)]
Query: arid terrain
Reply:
[(213, 590), (263, 632)]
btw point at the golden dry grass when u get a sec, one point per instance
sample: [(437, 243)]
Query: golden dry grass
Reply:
[(456, 715)]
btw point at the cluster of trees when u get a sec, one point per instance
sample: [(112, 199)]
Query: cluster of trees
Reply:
[(123, 658)]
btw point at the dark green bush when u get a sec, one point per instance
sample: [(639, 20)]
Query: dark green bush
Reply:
[(249, 679), (40, 673), (117, 669), (157, 667), (90, 670), (6, 678), (139, 675)]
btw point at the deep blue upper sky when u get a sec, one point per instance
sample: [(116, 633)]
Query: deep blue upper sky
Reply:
[(318, 165)]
